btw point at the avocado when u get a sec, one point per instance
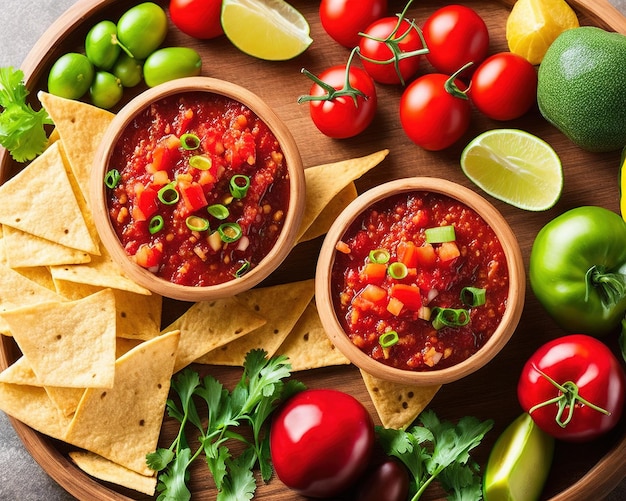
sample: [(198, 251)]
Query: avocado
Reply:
[(582, 87)]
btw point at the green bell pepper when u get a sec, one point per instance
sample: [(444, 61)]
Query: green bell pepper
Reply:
[(578, 270)]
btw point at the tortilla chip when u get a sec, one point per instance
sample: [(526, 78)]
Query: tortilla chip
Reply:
[(325, 182), (78, 124), (103, 469), (210, 324), (40, 200), (27, 250), (308, 346), (281, 306), (70, 344), (123, 423), (397, 405), (20, 372), (65, 399)]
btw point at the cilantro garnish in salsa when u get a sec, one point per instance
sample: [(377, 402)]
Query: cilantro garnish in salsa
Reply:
[(420, 281), (198, 189)]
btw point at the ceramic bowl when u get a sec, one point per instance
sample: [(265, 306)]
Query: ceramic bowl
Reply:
[(100, 203), (326, 301)]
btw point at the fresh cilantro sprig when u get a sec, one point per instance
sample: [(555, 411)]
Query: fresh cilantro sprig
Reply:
[(22, 130), (258, 392), (439, 450)]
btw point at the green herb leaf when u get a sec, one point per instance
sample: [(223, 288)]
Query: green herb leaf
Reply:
[(173, 481)]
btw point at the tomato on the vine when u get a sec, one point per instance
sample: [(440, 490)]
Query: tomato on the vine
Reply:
[(344, 19), (455, 35), (573, 387), (342, 100), (434, 111), (197, 18), (504, 86)]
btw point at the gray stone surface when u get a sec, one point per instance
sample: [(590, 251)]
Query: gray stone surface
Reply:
[(21, 478)]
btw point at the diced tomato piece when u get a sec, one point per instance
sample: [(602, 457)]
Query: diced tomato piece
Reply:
[(165, 153), (395, 306), (409, 295), (448, 251), (193, 195), (146, 204), (374, 293), (148, 256), (407, 255), (426, 256), (374, 272)]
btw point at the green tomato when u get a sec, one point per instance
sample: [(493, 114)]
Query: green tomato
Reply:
[(519, 462), (101, 45), (70, 76), (171, 63), (578, 269), (128, 70), (142, 28), (106, 90)]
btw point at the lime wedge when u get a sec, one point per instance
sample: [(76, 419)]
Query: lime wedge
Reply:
[(267, 29), (515, 167)]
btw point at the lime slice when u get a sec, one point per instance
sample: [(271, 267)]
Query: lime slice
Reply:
[(515, 167), (267, 29)]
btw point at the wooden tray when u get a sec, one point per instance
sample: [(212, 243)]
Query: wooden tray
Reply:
[(580, 472)]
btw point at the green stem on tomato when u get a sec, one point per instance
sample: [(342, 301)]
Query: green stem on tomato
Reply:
[(611, 287), (452, 88)]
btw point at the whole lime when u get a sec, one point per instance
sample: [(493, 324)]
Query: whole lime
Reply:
[(581, 87)]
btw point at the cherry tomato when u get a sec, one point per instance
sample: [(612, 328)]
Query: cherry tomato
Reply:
[(197, 18), (387, 481), (321, 441), (504, 86), (434, 112), (573, 387), (455, 35), (344, 19), (377, 42), (340, 110)]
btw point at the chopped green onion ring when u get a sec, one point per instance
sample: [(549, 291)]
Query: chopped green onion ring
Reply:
[(168, 195), (200, 162), (388, 339), (398, 270), (237, 190), (230, 232), (156, 224), (473, 296), (449, 317), (440, 234), (218, 211), (196, 223), (112, 178), (190, 141), (379, 256), (243, 270)]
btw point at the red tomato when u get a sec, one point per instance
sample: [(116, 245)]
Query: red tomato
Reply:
[(431, 116), (321, 441), (387, 481), (344, 19), (504, 86), (582, 365), (455, 35), (337, 111), (377, 45), (197, 18)]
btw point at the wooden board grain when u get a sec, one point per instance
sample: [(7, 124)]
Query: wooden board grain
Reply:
[(579, 472)]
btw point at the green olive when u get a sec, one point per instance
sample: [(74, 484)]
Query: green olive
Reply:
[(128, 70), (70, 76), (101, 45), (171, 63), (142, 28), (106, 90)]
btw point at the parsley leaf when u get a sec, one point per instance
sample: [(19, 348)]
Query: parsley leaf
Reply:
[(22, 130)]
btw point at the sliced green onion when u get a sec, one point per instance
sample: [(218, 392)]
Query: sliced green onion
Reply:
[(440, 234), (229, 232), (195, 223), (218, 211), (190, 141), (379, 256), (388, 339), (200, 162), (449, 317), (112, 178), (243, 270), (397, 270), (168, 194), (237, 189), (473, 296), (155, 225)]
